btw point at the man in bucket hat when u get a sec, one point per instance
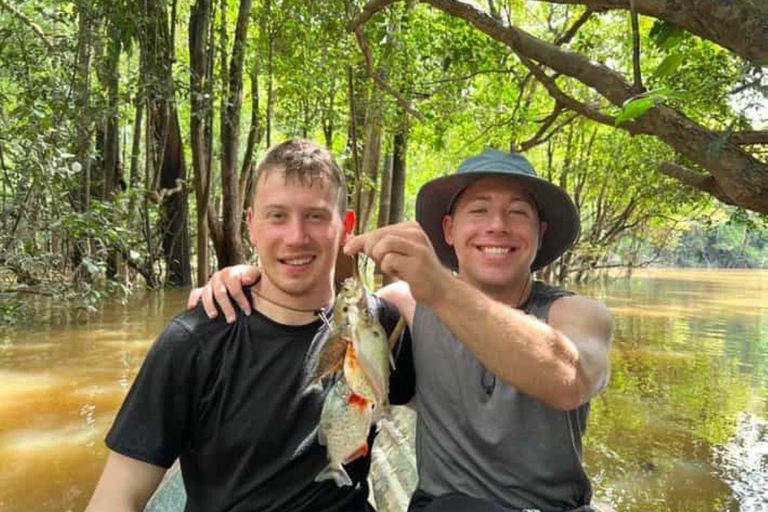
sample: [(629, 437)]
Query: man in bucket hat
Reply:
[(505, 366)]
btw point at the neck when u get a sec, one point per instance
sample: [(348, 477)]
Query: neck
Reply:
[(514, 294), (286, 308)]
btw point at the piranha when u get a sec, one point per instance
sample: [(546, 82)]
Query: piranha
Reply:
[(356, 344), (337, 337), (370, 357), (345, 422)]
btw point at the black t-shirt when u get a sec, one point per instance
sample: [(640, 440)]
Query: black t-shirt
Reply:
[(229, 400)]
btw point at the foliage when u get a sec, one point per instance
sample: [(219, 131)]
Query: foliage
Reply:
[(470, 89)]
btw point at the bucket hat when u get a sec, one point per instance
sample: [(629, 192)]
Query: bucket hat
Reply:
[(437, 197)]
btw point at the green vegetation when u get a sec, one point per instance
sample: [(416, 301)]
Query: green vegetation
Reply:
[(129, 130)]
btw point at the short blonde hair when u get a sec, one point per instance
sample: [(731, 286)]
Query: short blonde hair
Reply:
[(305, 161)]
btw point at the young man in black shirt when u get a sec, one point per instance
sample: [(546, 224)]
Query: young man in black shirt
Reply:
[(229, 400)]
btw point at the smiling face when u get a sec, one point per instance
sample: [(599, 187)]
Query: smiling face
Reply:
[(495, 230), (297, 230)]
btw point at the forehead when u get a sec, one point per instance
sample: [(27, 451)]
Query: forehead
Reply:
[(279, 187), (502, 187)]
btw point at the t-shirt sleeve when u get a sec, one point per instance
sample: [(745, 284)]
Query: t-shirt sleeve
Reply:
[(402, 380), (154, 420)]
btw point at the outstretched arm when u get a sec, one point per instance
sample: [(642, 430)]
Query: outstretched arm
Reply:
[(563, 363), (125, 485)]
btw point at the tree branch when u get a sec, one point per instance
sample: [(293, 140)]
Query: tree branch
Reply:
[(378, 80), (369, 10), (704, 182), (637, 84), (564, 99), (28, 22), (744, 176), (571, 32), (749, 137), (538, 137), (714, 20)]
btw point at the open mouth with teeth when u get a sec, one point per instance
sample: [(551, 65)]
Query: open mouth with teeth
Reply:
[(298, 261), (495, 249)]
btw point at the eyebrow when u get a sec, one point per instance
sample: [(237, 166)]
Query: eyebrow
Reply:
[(486, 197), (278, 206)]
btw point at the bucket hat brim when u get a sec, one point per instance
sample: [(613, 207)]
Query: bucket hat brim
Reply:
[(436, 198)]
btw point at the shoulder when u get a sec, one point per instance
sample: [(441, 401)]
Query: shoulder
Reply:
[(399, 294), (189, 330), (579, 310)]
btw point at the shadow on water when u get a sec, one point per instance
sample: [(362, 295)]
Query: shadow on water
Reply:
[(683, 425)]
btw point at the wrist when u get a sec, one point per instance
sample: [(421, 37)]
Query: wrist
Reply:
[(441, 290)]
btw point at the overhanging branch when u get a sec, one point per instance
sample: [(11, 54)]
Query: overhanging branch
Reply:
[(564, 99), (378, 80), (714, 20), (704, 182), (749, 137), (28, 22)]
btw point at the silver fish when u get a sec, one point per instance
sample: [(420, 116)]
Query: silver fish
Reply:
[(345, 422)]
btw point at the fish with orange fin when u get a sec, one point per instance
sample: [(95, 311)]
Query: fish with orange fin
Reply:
[(345, 422), (373, 355), (338, 334)]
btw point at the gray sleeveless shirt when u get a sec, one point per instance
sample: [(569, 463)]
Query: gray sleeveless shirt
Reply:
[(483, 438)]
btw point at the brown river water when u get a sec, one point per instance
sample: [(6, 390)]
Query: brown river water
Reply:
[(683, 425)]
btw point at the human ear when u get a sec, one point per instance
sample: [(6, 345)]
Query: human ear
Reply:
[(542, 229), (348, 222), (448, 229), (251, 228)]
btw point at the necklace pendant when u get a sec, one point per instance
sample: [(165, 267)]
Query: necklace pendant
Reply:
[(321, 313)]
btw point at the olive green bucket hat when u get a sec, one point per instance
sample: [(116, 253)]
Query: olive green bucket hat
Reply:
[(437, 197)]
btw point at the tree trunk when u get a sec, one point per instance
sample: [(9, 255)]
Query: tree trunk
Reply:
[(199, 21), (400, 150), (385, 196), (168, 149), (82, 146), (112, 176), (230, 142), (370, 161)]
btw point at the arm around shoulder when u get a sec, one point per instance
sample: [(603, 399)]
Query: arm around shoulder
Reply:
[(126, 484), (399, 294)]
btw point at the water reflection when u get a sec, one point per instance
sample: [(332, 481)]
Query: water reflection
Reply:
[(688, 372), (682, 427), (61, 386)]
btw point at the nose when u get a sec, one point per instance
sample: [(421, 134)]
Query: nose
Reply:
[(297, 232), (497, 222)]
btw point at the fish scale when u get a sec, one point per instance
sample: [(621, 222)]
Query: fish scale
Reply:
[(344, 425)]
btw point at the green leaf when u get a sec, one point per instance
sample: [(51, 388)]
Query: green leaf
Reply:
[(668, 66), (635, 107), (666, 35)]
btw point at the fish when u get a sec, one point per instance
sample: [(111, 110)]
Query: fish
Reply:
[(345, 422), (338, 334), (358, 380), (330, 359), (371, 348)]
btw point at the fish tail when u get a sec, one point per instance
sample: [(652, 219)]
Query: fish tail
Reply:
[(336, 473)]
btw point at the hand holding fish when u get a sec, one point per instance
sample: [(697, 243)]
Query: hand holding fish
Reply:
[(404, 251)]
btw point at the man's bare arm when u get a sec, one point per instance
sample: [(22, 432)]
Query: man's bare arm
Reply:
[(125, 485), (563, 364)]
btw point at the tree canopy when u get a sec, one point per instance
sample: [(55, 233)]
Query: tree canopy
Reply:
[(122, 120)]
